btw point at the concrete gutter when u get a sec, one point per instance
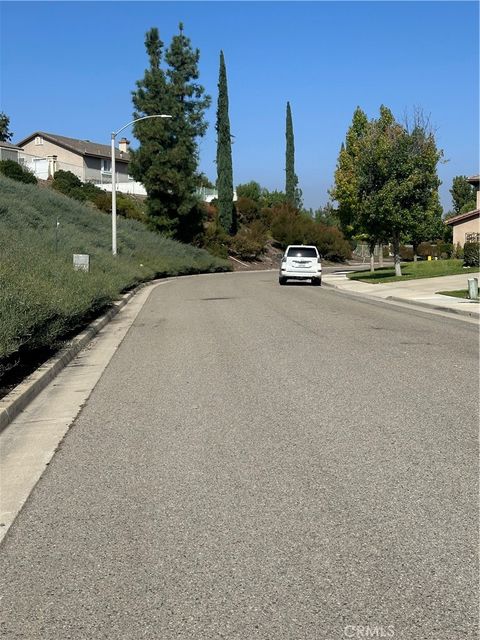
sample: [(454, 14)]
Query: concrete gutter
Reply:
[(421, 294), (16, 401), (436, 307)]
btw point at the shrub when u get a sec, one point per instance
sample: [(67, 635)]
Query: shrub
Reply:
[(290, 227), (445, 250), (215, 240), (426, 249), (248, 210), (331, 244), (250, 241), (16, 172), (406, 253), (471, 254), (127, 206), (67, 183)]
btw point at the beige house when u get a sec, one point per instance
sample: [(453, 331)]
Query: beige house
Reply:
[(466, 226), (89, 161)]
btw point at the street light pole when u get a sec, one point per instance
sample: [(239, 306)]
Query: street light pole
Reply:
[(114, 181)]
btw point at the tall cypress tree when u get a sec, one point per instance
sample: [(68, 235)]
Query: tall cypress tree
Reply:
[(291, 180), (226, 210), (167, 159)]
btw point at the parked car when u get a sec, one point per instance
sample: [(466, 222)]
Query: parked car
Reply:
[(301, 262)]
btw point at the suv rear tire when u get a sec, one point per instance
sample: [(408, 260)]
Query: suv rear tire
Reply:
[(316, 282), (282, 280)]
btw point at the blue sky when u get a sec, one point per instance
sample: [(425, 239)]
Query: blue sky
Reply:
[(69, 68)]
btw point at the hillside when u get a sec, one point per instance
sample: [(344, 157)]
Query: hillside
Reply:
[(42, 299)]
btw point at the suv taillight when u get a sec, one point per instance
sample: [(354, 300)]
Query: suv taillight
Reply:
[(284, 259)]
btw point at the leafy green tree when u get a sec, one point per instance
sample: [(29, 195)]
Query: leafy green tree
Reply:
[(274, 198), (463, 195), (5, 133), (345, 190), (226, 209), (397, 179), (291, 179), (251, 190), (326, 215), (167, 158), (429, 226)]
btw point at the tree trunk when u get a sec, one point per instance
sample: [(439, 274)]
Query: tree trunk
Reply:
[(396, 256), (372, 262), (380, 255)]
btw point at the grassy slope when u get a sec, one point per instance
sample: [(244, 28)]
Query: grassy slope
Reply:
[(41, 297), (414, 270)]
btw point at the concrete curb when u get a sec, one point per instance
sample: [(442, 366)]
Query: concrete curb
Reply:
[(424, 306), (427, 305), (16, 401)]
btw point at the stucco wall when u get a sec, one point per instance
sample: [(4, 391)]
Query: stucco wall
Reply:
[(459, 230), (72, 161)]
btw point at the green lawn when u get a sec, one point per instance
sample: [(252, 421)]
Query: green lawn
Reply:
[(414, 270), (462, 293)]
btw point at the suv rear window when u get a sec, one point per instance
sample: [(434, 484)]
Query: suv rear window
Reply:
[(301, 252)]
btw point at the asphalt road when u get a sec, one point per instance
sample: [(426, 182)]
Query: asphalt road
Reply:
[(260, 462)]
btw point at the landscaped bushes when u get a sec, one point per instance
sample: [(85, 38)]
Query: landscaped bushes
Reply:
[(406, 253), (290, 227), (437, 249), (426, 249), (250, 241), (16, 172), (471, 254)]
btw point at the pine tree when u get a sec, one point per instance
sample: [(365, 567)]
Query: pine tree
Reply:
[(227, 217), (190, 103), (5, 133), (167, 159), (291, 180), (150, 162)]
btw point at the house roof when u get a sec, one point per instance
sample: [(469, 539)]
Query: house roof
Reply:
[(463, 217), (474, 180), (82, 147), (8, 145)]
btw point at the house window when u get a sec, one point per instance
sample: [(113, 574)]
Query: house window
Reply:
[(38, 140), (106, 165), (472, 237)]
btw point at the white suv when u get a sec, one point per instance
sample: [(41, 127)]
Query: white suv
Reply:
[(301, 262)]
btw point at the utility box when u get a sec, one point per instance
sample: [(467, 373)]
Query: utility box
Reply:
[(81, 261), (473, 288)]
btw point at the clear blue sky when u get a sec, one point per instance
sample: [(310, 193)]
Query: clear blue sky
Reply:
[(69, 68)]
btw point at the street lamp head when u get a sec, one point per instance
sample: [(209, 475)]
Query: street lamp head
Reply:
[(114, 199)]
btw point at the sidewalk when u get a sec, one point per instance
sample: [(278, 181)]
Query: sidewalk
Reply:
[(421, 292)]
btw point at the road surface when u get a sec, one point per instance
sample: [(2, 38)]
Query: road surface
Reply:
[(260, 462)]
